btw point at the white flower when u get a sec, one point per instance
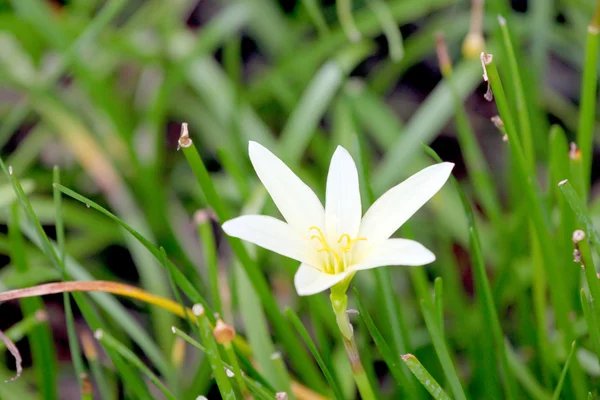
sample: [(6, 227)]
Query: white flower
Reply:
[(334, 242)]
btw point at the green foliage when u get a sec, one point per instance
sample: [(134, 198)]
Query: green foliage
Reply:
[(100, 88)]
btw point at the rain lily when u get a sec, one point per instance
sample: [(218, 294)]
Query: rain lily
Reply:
[(334, 242)]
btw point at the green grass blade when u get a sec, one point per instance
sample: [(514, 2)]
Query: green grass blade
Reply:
[(589, 85), (425, 123), (424, 377), (580, 210), (525, 376), (439, 342), (257, 330), (214, 357), (315, 101), (315, 14), (389, 356), (390, 29), (337, 393), (524, 122), (40, 338), (486, 301), (181, 280), (70, 320), (109, 341), (256, 387), (563, 374)]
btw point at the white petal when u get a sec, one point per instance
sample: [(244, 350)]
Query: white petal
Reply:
[(272, 234), (309, 280), (342, 205), (298, 204), (399, 203), (396, 252)]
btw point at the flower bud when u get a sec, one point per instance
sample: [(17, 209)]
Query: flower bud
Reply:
[(223, 333), (473, 45)]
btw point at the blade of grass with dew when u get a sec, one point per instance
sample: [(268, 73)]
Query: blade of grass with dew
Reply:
[(582, 250), (563, 374), (37, 235), (40, 338), (105, 390), (589, 83), (109, 341), (181, 280), (69, 319), (256, 387), (486, 300), (337, 393), (424, 377), (580, 210), (397, 369), (298, 356), (315, 100), (94, 161), (214, 357)]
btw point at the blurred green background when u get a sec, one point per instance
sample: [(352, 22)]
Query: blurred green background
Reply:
[(100, 89)]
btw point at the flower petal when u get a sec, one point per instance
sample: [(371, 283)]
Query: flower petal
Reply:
[(396, 252), (399, 203), (298, 204), (309, 280), (272, 234), (342, 205)]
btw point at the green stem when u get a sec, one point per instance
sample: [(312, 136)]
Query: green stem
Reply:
[(358, 372), (339, 302)]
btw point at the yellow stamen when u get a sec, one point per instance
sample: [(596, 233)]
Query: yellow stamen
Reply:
[(346, 248), (339, 263)]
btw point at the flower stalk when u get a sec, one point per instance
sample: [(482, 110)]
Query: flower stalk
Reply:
[(339, 302)]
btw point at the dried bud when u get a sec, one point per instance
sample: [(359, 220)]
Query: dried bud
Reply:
[(41, 315), (497, 121), (473, 45), (574, 152), (577, 256), (203, 216), (86, 385), (578, 236), (223, 333), (184, 137), (442, 53)]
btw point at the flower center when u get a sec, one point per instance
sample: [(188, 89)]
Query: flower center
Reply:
[(337, 259)]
